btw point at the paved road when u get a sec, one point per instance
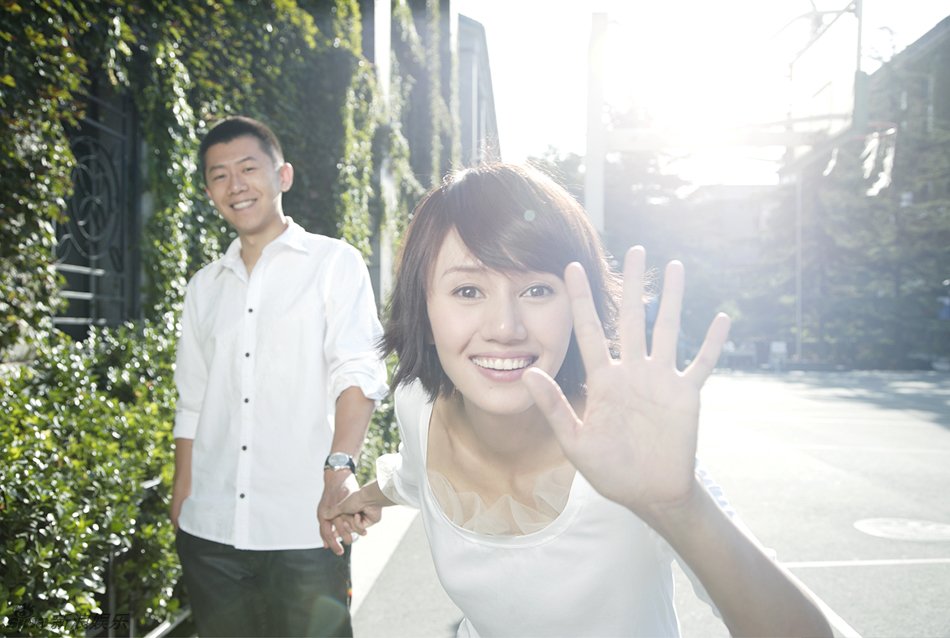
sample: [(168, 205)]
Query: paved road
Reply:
[(845, 475)]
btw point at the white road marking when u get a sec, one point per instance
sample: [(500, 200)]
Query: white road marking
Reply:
[(807, 564), (839, 624)]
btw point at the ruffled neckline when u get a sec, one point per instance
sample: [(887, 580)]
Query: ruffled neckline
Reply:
[(506, 516)]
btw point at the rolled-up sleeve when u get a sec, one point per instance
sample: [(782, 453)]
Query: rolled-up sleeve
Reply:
[(191, 371), (353, 329)]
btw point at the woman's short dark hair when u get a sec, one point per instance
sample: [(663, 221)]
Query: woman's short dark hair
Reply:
[(511, 217), (236, 126)]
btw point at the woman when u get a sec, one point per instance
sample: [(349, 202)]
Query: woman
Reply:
[(553, 464)]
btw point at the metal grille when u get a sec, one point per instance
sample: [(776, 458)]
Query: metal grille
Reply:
[(97, 247)]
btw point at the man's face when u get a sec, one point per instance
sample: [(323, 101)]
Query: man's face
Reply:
[(246, 186)]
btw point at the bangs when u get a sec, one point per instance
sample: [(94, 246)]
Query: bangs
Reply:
[(508, 227), (510, 218)]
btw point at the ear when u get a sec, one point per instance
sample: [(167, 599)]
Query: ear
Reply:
[(286, 175)]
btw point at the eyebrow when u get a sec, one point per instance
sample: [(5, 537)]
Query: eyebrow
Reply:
[(465, 269), (477, 269), (249, 158)]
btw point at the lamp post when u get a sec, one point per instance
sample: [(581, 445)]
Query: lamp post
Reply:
[(594, 160), (858, 122)]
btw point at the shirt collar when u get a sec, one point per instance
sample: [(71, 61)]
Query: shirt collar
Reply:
[(292, 237)]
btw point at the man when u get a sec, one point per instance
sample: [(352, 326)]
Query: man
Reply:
[(278, 342)]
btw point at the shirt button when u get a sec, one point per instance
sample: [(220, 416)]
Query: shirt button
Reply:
[(242, 494), (250, 310), (243, 447), (247, 400), (247, 354)]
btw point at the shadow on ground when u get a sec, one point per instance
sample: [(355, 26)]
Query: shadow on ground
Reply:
[(926, 392)]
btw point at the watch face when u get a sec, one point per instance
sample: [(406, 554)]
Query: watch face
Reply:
[(338, 459)]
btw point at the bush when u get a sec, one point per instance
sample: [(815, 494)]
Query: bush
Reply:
[(86, 429), (82, 431), (383, 435)]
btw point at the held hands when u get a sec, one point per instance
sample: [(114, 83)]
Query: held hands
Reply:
[(337, 486), (347, 516), (636, 442)]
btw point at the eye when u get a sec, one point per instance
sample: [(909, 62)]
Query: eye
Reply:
[(467, 292), (217, 177), (250, 169), (538, 290)]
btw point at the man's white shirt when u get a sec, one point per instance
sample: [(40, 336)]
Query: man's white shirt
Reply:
[(261, 360)]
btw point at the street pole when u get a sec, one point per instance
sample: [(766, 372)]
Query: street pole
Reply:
[(596, 135), (799, 214), (858, 114)]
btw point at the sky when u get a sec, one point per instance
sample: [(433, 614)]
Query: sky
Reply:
[(696, 68)]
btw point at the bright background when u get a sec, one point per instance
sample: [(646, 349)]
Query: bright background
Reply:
[(695, 66)]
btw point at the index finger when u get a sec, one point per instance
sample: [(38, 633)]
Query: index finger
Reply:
[(330, 541), (587, 327)]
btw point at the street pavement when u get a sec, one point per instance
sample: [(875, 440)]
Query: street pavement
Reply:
[(844, 475)]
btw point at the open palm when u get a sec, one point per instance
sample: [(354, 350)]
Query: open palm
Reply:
[(636, 442)]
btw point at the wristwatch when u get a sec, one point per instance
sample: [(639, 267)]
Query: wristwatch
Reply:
[(340, 461)]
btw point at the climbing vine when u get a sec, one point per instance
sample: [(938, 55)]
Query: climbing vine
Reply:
[(85, 428)]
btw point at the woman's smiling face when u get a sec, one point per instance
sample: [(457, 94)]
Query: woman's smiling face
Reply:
[(488, 326)]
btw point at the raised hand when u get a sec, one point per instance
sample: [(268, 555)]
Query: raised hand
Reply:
[(636, 442)]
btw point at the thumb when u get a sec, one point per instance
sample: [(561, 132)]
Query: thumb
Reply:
[(553, 405)]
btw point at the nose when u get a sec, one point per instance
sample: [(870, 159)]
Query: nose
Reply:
[(237, 183), (504, 321)]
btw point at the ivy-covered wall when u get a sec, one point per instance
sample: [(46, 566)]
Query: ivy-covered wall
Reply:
[(85, 428)]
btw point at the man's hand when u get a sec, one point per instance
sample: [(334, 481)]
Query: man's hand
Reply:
[(178, 497), (181, 486), (356, 512), (338, 484)]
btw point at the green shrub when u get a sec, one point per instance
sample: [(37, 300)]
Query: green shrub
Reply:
[(382, 438), (82, 430), (86, 450)]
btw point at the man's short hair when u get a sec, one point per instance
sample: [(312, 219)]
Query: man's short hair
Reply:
[(511, 218), (237, 126)]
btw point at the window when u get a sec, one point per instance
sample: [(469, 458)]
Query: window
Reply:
[(97, 246)]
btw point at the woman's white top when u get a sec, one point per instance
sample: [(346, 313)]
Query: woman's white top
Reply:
[(595, 570)]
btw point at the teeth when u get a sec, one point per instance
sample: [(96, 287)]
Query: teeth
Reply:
[(501, 364), (242, 205)]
